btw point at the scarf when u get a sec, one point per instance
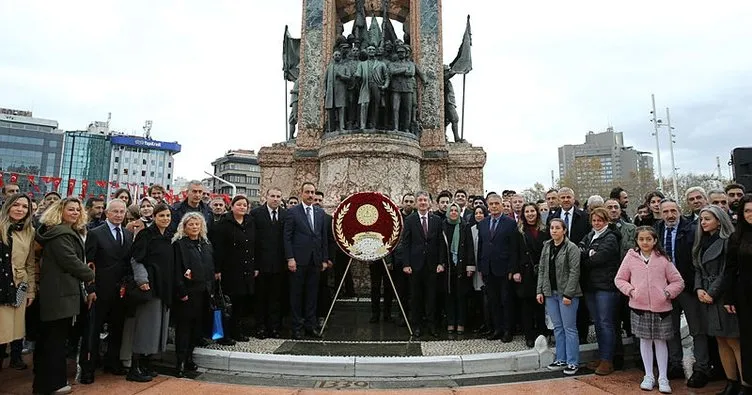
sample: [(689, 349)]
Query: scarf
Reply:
[(454, 245)]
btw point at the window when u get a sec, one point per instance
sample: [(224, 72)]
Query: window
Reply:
[(114, 171), (151, 174), (125, 172), (117, 159), (144, 161), (168, 176), (143, 173), (153, 162), (52, 143), (169, 165)]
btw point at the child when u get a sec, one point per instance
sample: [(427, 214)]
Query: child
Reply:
[(650, 280)]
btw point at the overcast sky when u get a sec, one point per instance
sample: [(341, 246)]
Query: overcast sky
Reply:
[(544, 74)]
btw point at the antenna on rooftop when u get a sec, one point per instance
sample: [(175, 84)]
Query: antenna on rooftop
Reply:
[(147, 129)]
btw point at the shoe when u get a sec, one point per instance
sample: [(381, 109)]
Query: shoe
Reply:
[(605, 368), (226, 341), (180, 370), (663, 386), (507, 338), (115, 370), (676, 372), (136, 374), (698, 380), (147, 368), (529, 343), (648, 383), (63, 390), (86, 378), (571, 370), (18, 364), (732, 388), (191, 366), (374, 319), (495, 336), (592, 365), (557, 365)]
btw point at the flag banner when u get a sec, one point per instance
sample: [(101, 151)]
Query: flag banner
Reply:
[(84, 188), (290, 56), (71, 186), (14, 178), (463, 63)]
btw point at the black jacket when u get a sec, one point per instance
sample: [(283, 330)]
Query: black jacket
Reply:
[(181, 208), (685, 238), (154, 251), (417, 250), (196, 255), (531, 247), (112, 261), (234, 246), (599, 270), (580, 224), (269, 249)]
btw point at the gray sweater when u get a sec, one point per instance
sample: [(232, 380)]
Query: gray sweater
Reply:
[(567, 270)]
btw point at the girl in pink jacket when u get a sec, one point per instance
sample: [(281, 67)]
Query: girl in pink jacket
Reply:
[(650, 280)]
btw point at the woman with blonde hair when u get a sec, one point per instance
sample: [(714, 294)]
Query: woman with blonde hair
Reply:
[(61, 291), (195, 276), (17, 273)]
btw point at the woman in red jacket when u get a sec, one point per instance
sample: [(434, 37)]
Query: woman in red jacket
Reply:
[(650, 280)]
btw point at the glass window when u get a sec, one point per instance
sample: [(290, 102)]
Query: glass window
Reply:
[(168, 176), (117, 159), (143, 173), (144, 161), (169, 165), (151, 174), (125, 172), (52, 143)]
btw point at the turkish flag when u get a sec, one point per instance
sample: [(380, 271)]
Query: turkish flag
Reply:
[(13, 178), (71, 186), (31, 179), (56, 183), (47, 180), (101, 184), (115, 184), (84, 188), (1, 180)]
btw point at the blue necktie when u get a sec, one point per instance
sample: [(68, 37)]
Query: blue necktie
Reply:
[(669, 244), (493, 225), (310, 218)]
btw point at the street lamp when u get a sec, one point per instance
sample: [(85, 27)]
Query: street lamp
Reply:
[(657, 144)]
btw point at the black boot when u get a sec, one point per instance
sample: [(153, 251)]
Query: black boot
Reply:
[(146, 367), (732, 388), (189, 364), (135, 373), (180, 367)]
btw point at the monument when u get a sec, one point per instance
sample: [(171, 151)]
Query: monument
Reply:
[(395, 140)]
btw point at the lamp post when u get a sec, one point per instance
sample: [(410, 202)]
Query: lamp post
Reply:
[(657, 144)]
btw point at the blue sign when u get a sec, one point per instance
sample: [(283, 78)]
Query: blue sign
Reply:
[(145, 143)]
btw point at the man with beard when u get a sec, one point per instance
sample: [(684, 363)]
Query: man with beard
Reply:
[(735, 193), (442, 202), (621, 196)]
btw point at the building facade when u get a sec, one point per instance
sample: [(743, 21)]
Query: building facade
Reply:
[(241, 168), (30, 148), (603, 162), (101, 161)]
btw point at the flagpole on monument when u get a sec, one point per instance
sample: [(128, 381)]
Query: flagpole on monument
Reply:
[(462, 129), (287, 125), (463, 64)]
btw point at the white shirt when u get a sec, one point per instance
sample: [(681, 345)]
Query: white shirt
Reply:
[(564, 217), (113, 231), (270, 212)]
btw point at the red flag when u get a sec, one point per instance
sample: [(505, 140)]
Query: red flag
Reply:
[(146, 190), (47, 180), (13, 178), (115, 184), (31, 179), (56, 183), (1, 180), (84, 188), (101, 184), (71, 186), (183, 195)]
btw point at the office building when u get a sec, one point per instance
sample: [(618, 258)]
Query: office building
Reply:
[(602, 162), (241, 168), (30, 149)]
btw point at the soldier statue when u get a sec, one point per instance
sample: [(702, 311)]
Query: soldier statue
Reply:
[(401, 72), (335, 81), (450, 104), (293, 119), (374, 79)]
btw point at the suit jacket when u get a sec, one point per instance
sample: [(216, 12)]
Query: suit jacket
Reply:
[(580, 224), (270, 251), (685, 239), (498, 253), (305, 245), (112, 261), (418, 250)]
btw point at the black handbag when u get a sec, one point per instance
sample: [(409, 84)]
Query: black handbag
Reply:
[(220, 301), (132, 293)]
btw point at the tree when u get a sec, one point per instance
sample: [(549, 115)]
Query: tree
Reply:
[(537, 192)]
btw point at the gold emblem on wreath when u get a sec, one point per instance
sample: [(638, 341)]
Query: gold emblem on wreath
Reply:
[(367, 215), (368, 246)]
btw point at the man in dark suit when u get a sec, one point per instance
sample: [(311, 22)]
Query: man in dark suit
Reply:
[(578, 226), (108, 252), (269, 220), (422, 258), (306, 251), (498, 255), (676, 234)]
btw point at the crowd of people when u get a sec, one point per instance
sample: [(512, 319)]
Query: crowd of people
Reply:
[(79, 277)]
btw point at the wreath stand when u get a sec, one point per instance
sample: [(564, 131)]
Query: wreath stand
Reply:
[(396, 295)]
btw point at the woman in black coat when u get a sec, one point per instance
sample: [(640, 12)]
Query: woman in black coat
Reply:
[(600, 261), (153, 264), (194, 281), (739, 270), (533, 233), (233, 240), (459, 268)]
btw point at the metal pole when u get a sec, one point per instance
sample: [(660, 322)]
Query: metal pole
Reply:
[(336, 294), (657, 145), (396, 295), (671, 146), (462, 129), (287, 125), (234, 188)]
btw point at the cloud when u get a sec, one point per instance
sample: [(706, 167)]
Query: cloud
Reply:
[(209, 74)]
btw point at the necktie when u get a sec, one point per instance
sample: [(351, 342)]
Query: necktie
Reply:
[(566, 220), (118, 236), (669, 243), (424, 220), (493, 225), (274, 216), (310, 218)]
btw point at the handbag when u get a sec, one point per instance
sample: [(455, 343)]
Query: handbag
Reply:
[(21, 294), (133, 294), (221, 309)]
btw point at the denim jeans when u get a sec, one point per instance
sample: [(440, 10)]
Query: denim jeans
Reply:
[(565, 328), (602, 306)]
